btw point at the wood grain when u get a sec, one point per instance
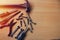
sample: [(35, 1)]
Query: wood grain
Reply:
[(47, 16)]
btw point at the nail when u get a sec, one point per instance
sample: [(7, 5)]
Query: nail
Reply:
[(19, 33), (21, 23), (27, 21), (14, 31), (31, 27), (30, 20), (33, 22), (24, 23), (20, 16)]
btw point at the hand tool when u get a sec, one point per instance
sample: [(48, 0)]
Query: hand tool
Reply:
[(8, 19), (7, 14), (26, 6), (23, 34), (12, 23)]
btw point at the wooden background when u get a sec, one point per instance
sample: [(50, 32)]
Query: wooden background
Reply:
[(47, 16)]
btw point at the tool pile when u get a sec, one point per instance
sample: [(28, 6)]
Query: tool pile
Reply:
[(22, 34)]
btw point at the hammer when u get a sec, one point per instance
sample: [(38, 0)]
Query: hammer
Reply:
[(24, 6)]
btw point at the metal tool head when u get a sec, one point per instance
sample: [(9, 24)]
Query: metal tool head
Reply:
[(28, 6)]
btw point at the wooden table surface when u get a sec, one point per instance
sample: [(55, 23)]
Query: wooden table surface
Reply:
[(47, 16)]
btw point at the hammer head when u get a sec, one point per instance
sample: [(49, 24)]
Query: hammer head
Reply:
[(28, 7)]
